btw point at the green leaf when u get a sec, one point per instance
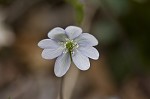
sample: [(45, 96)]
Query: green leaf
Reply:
[(78, 7)]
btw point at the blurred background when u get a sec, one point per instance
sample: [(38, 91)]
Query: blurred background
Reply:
[(121, 26)]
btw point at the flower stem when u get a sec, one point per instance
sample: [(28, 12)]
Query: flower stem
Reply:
[(61, 88)]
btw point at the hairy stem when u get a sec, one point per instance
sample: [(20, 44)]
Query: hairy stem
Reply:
[(61, 88)]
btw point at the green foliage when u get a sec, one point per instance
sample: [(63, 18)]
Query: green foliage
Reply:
[(78, 7), (126, 43)]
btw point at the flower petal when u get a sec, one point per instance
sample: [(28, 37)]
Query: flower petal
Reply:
[(58, 34), (52, 53), (62, 64), (48, 43), (73, 31), (86, 39), (90, 52), (81, 61)]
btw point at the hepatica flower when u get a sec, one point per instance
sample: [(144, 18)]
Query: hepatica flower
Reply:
[(69, 45)]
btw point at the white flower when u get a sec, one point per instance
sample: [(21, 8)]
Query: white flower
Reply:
[(69, 45)]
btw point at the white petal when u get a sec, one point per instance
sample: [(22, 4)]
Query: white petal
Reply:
[(58, 34), (52, 53), (73, 31), (86, 39), (81, 61), (48, 43), (90, 52), (62, 64)]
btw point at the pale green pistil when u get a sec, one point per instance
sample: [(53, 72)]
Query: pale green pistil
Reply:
[(70, 45)]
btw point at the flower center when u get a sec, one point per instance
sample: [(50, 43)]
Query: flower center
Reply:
[(70, 45)]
